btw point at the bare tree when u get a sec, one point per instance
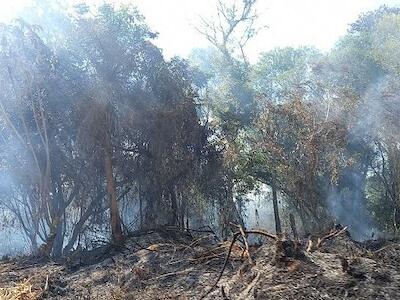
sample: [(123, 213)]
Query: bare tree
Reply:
[(233, 27)]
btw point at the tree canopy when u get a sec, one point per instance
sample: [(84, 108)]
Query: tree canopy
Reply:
[(101, 135)]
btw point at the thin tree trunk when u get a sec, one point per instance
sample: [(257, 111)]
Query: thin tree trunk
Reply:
[(278, 227), (174, 206), (58, 241), (34, 245), (293, 226), (229, 212), (77, 231), (140, 205), (182, 210), (116, 230)]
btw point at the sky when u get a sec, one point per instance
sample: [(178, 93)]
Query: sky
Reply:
[(318, 23)]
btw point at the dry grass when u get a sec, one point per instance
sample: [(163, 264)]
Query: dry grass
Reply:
[(22, 291)]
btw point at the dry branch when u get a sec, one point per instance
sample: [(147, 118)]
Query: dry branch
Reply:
[(330, 236), (262, 232), (309, 245), (235, 236), (246, 244)]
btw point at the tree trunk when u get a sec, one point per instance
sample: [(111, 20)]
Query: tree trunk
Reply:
[(293, 226), (78, 226), (174, 206), (140, 205), (34, 245), (116, 230), (58, 241), (182, 210), (278, 227), (229, 212)]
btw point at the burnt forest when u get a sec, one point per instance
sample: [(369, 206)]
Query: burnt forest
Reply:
[(187, 149)]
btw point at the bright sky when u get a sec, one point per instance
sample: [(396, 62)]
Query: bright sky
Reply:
[(290, 22)]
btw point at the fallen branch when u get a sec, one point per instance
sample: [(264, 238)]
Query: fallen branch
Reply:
[(246, 244), (262, 232), (251, 285), (246, 250), (330, 236), (46, 286), (235, 236)]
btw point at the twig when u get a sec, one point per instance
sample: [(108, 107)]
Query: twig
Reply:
[(381, 249), (252, 284), (46, 286), (223, 293), (173, 273), (196, 241), (235, 236)]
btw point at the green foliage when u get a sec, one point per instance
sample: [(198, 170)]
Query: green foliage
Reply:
[(284, 73), (187, 139)]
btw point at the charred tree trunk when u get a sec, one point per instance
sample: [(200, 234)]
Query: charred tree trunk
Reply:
[(58, 241), (84, 217), (174, 206), (140, 205), (116, 230), (293, 226), (34, 245), (182, 210), (229, 212), (152, 195), (278, 227), (59, 211)]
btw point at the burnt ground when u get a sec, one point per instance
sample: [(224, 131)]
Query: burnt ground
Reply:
[(176, 265)]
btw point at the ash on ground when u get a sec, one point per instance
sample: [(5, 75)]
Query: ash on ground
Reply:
[(178, 265)]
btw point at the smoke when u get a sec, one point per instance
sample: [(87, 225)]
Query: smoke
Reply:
[(348, 206), (13, 242), (259, 211), (348, 202)]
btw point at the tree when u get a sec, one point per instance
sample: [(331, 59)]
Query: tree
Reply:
[(285, 73), (34, 126)]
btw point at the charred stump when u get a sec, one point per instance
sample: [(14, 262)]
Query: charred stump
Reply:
[(286, 251)]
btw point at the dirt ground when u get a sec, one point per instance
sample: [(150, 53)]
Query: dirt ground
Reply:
[(176, 265)]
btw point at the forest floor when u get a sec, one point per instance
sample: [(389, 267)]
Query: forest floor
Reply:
[(176, 265)]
